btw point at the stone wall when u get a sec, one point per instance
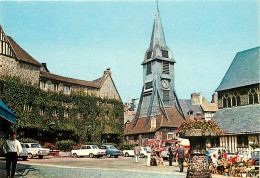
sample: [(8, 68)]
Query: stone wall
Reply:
[(26, 72), (108, 89), (198, 167)]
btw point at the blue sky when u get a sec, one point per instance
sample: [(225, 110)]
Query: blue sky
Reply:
[(81, 39)]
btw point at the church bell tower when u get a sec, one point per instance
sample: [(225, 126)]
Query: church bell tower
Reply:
[(158, 75)]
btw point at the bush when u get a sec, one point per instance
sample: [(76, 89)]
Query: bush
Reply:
[(49, 145), (65, 145), (125, 146), (28, 140)]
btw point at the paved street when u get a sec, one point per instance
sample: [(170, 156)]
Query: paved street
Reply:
[(88, 167)]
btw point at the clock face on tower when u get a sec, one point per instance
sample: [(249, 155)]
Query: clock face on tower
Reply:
[(165, 83)]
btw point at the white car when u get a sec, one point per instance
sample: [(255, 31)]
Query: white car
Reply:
[(131, 152), (35, 149), (89, 150)]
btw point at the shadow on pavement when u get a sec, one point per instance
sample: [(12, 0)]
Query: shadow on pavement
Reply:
[(21, 169)]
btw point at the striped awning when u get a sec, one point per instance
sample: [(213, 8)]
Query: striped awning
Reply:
[(6, 113)]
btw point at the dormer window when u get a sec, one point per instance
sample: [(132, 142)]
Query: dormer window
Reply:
[(165, 54), (42, 85), (54, 87), (149, 55), (66, 90), (148, 68)]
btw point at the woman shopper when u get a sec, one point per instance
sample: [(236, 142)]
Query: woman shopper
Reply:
[(12, 148)]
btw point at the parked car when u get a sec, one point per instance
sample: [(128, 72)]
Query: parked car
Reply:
[(24, 154), (35, 149), (128, 153), (89, 150), (111, 150)]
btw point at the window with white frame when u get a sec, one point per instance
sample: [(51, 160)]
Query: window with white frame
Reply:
[(66, 113), (42, 85), (66, 90), (27, 107), (54, 87), (54, 112), (42, 111)]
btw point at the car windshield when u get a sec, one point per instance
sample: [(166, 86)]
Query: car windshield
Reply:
[(112, 147), (103, 147), (36, 146), (23, 146), (95, 147), (145, 149)]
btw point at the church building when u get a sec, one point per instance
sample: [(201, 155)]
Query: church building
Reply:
[(159, 113)]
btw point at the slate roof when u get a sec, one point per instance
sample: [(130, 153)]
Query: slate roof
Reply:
[(175, 121), (48, 75), (244, 70), (239, 119), (21, 54), (186, 106)]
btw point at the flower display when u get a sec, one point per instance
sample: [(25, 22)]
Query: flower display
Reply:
[(107, 118), (204, 126), (49, 145)]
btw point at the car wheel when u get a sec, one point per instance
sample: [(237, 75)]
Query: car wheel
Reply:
[(75, 155), (91, 155), (142, 155), (109, 155), (24, 158), (40, 157), (30, 156), (126, 154), (116, 156)]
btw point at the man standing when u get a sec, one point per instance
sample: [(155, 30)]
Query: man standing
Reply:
[(137, 153), (12, 148), (170, 150), (181, 155), (148, 148)]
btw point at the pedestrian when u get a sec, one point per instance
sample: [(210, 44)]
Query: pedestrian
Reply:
[(224, 154), (12, 148), (176, 154), (208, 153), (148, 149), (215, 163), (181, 157), (137, 153), (170, 152)]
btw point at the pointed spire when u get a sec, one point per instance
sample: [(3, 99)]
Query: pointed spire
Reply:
[(157, 35)]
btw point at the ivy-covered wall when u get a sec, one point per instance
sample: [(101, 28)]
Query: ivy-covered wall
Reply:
[(88, 116)]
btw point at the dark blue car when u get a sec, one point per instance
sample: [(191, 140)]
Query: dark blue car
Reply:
[(111, 150)]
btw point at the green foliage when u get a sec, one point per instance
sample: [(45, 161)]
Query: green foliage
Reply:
[(27, 140), (93, 110), (65, 145), (125, 146)]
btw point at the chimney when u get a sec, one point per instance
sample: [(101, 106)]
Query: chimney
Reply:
[(214, 98), (196, 99)]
